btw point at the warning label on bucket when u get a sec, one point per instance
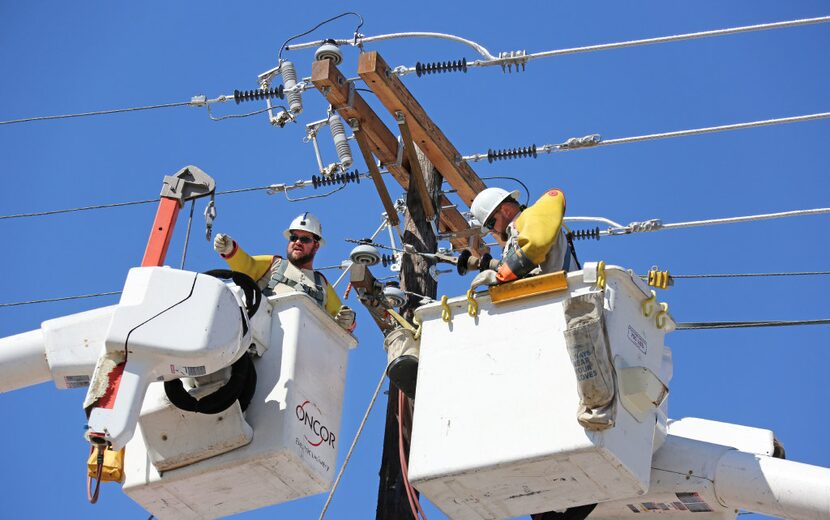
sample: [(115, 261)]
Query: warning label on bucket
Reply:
[(637, 339), (694, 502), (689, 502)]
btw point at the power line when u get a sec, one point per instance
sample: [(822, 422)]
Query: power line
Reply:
[(668, 39), (354, 443), (49, 300), (595, 140), (746, 324), (521, 57), (96, 113), (344, 267), (749, 218), (744, 275), (71, 210), (120, 204), (657, 225), (712, 129)]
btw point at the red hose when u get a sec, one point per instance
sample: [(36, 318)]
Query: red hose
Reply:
[(90, 495), (414, 504)]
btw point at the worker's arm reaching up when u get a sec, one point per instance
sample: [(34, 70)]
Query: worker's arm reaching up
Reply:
[(254, 266)]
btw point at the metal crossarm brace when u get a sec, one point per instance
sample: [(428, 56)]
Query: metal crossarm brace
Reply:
[(363, 144)]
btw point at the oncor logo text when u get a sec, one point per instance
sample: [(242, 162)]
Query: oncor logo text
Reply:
[(321, 433)]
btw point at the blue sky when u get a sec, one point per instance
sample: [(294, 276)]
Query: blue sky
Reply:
[(60, 57)]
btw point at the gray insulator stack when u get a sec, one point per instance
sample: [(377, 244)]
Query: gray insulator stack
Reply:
[(289, 81), (338, 133)]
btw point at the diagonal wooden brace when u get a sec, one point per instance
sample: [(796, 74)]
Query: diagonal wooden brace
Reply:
[(383, 144), (363, 144), (416, 175)]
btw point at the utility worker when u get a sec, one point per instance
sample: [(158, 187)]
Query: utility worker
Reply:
[(276, 275), (534, 243), (534, 239)]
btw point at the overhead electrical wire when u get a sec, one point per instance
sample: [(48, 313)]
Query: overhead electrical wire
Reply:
[(595, 140), (590, 141), (346, 266), (657, 225), (744, 275), (333, 18), (240, 116), (271, 188), (747, 324), (354, 443), (96, 113), (195, 101), (318, 196), (119, 204), (507, 58), (521, 57), (72, 210), (65, 298), (679, 37)]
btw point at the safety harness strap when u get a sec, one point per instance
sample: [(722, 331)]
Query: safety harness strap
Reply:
[(278, 277)]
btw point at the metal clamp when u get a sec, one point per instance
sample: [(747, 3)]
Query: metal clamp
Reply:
[(210, 216), (187, 184)]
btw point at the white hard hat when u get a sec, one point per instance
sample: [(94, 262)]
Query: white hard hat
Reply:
[(487, 200), (306, 222)]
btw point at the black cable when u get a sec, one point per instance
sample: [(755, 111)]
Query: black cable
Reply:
[(118, 204), (746, 324), (527, 191), (743, 275), (283, 47), (50, 300)]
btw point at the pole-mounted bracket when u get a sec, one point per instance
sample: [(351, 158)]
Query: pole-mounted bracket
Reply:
[(187, 184)]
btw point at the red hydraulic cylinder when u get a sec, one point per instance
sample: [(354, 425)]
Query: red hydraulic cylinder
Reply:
[(161, 233)]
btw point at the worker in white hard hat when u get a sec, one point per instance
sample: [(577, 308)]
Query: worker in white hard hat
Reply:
[(534, 238), (275, 275), (534, 242)]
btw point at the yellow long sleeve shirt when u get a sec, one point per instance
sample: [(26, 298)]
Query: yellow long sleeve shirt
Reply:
[(260, 267)]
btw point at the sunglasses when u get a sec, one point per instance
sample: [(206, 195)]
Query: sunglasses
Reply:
[(490, 222), (303, 240)]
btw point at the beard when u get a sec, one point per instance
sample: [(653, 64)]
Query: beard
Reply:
[(302, 259)]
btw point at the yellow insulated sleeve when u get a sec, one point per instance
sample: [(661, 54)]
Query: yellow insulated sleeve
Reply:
[(660, 279)]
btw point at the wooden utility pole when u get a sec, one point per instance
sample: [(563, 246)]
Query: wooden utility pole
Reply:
[(424, 200), (415, 277)]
